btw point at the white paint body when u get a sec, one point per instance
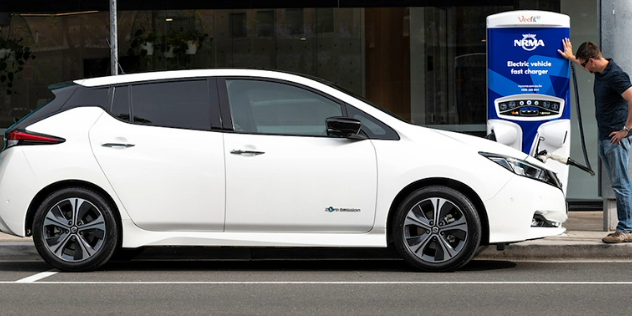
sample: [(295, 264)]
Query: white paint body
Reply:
[(182, 187)]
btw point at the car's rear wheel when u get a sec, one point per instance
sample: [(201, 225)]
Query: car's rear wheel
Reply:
[(74, 229), (436, 228)]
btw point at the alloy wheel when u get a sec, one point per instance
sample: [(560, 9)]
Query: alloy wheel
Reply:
[(74, 230), (435, 230)]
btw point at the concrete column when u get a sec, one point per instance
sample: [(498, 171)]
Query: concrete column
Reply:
[(113, 39), (616, 43)]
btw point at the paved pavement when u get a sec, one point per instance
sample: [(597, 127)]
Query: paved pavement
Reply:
[(582, 241)]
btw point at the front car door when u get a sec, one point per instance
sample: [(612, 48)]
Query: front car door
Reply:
[(283, 173)]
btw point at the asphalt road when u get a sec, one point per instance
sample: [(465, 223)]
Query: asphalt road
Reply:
[(321, 287)]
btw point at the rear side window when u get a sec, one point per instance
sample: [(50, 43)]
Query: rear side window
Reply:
[(180, 104)]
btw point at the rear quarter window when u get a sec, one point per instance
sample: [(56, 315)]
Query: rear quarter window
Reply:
[(88, 97)]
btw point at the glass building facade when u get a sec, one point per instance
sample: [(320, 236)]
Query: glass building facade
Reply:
[(423, 60)]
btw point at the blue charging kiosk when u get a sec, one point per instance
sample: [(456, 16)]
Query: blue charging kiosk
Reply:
[(528, 84)]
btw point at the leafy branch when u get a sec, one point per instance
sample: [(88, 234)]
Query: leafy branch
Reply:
[(13, 56)]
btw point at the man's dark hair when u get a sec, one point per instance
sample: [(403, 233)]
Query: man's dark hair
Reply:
[(588, 50)]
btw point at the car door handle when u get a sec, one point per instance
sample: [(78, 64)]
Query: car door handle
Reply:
[(246, 152), (117, 145)]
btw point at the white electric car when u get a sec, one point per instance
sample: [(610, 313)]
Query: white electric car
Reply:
[(258, 158)]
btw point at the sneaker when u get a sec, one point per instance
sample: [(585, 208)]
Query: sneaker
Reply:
[(617, 237)]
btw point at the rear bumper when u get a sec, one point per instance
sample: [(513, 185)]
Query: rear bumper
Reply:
[(17, 190)]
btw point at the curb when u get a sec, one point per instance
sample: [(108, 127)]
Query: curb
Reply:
[(19, 251), (530, 250), (557, 251)]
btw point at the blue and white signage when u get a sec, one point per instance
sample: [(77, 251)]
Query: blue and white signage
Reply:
[(528, 82)]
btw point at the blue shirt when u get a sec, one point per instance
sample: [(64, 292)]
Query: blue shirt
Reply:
[(611, 108)]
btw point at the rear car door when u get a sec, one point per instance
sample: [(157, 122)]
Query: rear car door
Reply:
[(283, 173), (161, 157)]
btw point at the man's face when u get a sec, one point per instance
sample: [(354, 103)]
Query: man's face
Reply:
[(586, 64)]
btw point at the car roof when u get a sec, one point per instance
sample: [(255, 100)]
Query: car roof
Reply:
[(180, 74)]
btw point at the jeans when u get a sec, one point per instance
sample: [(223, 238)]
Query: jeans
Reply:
[(615, 158)]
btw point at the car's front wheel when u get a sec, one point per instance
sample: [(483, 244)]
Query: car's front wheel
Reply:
[(74, 229), (436, 228)]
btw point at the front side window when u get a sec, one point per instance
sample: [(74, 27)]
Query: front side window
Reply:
[(276, 108), (180, 104)]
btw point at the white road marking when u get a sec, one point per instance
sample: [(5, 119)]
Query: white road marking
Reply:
[(29, 280), (38, 276)]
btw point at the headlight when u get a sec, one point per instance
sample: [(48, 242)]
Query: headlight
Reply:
[(525, 169)]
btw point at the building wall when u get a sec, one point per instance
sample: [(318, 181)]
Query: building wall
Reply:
[(426, 64), (584, 27)]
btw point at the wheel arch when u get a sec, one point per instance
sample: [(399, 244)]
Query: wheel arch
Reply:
[(46, 191), (456, 185)]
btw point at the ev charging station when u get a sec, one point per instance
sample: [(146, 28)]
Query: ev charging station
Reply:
[(528, 85)]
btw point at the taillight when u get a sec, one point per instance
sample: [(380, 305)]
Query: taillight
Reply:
[(17, 137)]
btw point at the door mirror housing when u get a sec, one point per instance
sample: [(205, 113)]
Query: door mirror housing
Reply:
[(341, 126)]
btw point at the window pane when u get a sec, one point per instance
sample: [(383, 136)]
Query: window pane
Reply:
[(88, 97), (182, 104), (265, 23), (120, 103), (274, 108), (238, 25), (294, 21), (371, 126)]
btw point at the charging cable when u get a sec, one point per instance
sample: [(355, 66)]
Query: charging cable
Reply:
[(544, 156), (581, 126)]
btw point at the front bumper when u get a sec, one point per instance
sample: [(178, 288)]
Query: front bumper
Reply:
[(512, 209)]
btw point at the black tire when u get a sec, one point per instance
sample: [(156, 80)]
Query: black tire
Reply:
[(75, 229), (429, 244)]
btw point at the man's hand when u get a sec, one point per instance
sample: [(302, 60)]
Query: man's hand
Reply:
[(568, 50), (617, 136)]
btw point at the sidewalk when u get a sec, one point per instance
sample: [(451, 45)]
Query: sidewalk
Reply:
[(582, 241)]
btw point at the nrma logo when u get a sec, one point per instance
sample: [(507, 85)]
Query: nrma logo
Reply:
[(528, 42), (530, 19)]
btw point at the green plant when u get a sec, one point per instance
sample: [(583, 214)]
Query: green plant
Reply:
[(13, 56), (139, 40), (178, 44)]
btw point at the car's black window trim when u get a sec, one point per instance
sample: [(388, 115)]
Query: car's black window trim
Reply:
[(224, 105), (216, 119), (111, 102)]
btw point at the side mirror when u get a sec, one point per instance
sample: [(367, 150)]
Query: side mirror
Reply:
[(341, 126)]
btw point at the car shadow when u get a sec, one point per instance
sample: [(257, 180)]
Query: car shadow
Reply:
[(276, 259)]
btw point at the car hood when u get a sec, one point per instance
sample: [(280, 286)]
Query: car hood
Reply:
[(485, 145)]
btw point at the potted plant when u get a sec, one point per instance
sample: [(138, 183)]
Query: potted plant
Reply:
[(194, 40), (143, 42), (184, 42), (13, 56)]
